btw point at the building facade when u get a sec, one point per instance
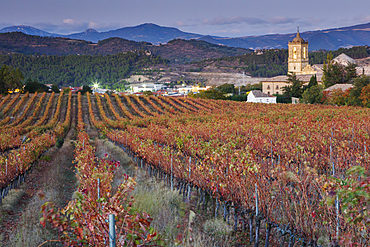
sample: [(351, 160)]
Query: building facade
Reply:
[(275, 85)]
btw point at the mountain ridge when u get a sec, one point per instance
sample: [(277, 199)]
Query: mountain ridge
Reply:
[(177, 50), (328, 39)]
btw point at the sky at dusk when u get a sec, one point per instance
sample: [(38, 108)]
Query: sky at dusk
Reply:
[(231, 18)]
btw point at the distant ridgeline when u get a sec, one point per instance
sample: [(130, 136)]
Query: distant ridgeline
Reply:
[(269, 63), (74, 70), (177, 50)]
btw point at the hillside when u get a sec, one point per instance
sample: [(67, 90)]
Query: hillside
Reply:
[(73, 70), (273, 62), (176, 50), (329, 39)]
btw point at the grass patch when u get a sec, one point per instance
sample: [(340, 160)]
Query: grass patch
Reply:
[(11, 200), (218, 231), (166, 207), (46, 158)]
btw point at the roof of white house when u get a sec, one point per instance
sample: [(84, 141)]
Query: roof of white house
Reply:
[(343, 87), (260, 94), (343, 59)]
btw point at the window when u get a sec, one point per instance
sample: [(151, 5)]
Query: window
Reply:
[(304, 52), (268, 92), (277, 87), (268, 86), (295, 52)]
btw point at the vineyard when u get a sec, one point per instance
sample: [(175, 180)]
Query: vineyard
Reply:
[(281, 175)]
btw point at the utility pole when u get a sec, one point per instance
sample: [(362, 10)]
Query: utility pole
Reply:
[(243, 82)]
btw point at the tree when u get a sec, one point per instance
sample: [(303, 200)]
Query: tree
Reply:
[(336, 97), (283, 99), (147, 93), (365, 96), (350, 72), (295, 89), (355, 92), (85, 89), (313, 81), (10, 79), (334, 73), (226, 88), (313, 95), (33, 86), (55, 88), (250, 87), (208, 94), (242, 97)]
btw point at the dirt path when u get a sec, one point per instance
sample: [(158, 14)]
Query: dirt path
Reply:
[(89, 127), (53, 180)]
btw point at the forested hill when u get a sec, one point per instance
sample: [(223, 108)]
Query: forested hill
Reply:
[(74, 70), (176, 50), (268, 63)]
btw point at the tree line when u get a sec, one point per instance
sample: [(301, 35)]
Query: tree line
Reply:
[(273, 62)]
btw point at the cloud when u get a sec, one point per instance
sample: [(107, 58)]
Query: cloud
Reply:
[(282, 20), (105, 26), (180, 24), (69, 26), (71, 22), (276, 20), (235, 31), (74, 25), (220, 31), (234, 20)]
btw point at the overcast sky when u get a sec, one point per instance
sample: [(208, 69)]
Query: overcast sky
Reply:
[(231, 18)]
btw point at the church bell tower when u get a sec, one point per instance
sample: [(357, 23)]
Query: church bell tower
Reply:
[(298, 56)]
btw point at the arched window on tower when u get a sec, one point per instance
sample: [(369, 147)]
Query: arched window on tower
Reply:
[(295, 52), (304, 52)]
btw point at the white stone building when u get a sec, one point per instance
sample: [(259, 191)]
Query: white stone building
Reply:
[(256, 96), (153, 87)]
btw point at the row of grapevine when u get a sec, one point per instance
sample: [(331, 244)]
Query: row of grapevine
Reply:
[(15, 165), (84, 219), (2, 103), (10, 104), (235, 156)]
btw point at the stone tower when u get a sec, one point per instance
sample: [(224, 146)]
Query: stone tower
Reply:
[(298, 57)]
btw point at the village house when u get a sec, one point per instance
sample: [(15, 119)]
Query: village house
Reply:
[(142, 87), (256, 96), (338, 87)]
